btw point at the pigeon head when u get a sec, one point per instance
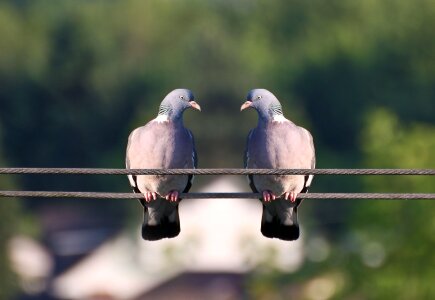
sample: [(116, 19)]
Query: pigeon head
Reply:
[(265, 103), (175, 103)]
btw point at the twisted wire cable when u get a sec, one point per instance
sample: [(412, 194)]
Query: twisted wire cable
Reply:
[(101, 171), (103, 195), (98, 171)]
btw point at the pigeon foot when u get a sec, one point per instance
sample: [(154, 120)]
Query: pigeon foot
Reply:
[(268, 196), (149, 196), (291, 196), (172, 196)]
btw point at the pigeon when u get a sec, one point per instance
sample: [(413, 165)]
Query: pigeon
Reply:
[(277, 143), (163, 143)]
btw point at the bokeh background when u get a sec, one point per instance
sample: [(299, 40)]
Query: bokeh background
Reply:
[(77, 76)]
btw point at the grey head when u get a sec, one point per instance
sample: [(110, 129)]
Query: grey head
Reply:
[(264, 102), (176, 102)]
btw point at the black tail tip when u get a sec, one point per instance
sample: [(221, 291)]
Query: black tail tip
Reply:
[(160, 231), (282, 232), (269, 229), (288, 233)]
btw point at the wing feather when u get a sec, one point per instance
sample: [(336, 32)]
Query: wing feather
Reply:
[(195, 163), (246, 161)]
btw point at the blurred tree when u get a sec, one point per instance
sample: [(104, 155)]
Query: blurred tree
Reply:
[(77, 76), (10, 214), (396, 239)]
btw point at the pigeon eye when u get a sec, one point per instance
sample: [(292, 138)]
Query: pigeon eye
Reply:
[(182, 97), (258, 97)]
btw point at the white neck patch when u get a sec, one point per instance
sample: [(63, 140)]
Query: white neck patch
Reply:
[(162, 118), (278, 118)]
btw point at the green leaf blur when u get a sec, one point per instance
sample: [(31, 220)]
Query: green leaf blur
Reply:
[(77, 76)]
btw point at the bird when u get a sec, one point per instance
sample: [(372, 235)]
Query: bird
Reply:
[(163, 143), (277, 143)]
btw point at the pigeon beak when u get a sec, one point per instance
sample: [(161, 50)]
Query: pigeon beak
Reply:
[(195, 105), (246, 105)]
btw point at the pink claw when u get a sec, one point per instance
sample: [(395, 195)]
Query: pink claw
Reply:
[(290, 196), (268, 196), (150, 196), (172, 196)]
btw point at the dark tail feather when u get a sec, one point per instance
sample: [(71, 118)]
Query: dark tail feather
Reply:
[(272, 227), (164, 229), (269, 228)]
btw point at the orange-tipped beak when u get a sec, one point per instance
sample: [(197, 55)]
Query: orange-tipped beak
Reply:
[(195, 105), (246, 105)]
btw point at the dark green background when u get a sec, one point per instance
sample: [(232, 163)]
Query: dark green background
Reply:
[(77, 76)]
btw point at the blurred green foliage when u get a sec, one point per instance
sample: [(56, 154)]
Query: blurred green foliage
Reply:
[(77, 76), (10, 214), (401, 235)]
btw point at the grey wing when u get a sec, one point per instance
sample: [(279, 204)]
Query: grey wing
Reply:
[(245, 162), (195, 164), (131, 178), (309, 178)]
